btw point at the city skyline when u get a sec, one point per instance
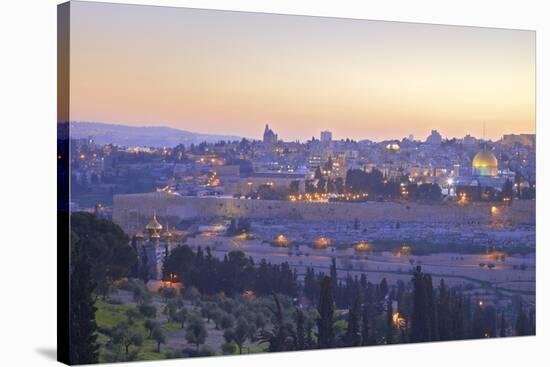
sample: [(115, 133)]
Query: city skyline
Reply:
[(223, 72), (386, 193), (314, 134)]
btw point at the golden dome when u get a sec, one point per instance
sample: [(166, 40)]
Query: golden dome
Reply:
[(484, 164), (154, 224), (484, 159), (167, 234)]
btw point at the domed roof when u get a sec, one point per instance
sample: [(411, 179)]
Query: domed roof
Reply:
[(167, 234), (154, 224), (484, 159)]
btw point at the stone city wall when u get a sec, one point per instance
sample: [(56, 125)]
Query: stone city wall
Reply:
[(245, 185), (133, 211)]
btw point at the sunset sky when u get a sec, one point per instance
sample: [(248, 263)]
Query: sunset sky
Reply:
[(231, 72)]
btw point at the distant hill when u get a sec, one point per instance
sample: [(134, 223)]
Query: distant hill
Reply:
[(151, 136)]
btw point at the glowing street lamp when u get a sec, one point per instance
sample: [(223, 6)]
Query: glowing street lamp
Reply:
[(321, 242), (399, 321), (404, 250), (362, 246), (281, 241), (171, 278)]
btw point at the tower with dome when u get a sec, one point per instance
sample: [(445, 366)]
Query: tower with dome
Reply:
[(153, 246), (485, 181)]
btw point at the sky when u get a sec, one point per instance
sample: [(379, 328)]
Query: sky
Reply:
[(224, 72)]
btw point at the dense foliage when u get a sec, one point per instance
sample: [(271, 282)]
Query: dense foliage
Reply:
[(105, 245), (233, 274), (349, 311), (100, 254), (264, 306)]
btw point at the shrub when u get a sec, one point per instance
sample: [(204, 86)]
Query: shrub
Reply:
[(229, 348)]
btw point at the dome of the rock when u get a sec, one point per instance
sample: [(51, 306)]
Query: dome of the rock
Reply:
[(484, 164)]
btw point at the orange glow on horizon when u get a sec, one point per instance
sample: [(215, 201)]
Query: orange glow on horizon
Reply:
[(230, 72)]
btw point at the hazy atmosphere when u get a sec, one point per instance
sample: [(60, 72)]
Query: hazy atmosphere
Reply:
[(242, 183), (231, 72)]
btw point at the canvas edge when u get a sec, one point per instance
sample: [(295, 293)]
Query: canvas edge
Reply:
[(63, 182)]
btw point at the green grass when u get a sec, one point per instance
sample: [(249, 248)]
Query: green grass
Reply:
[(171, 326), (108, 315), (102, 339), (148, 351), (255, 348), (151, 356)]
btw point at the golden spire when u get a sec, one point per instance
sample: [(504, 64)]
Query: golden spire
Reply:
[(154, 227), (167, 234), (154, 224)]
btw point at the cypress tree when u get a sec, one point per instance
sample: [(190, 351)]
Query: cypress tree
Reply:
[(420, 330), (502, 325), (334, 278), (83, 348), (467, 325), (363, 285), (389, 322), (383, 289), (365, 332), (353, 333), (300, 330), (309, 325), (144, 265), (490, 322), (431, 308), (457, 318), (443, 311), (477, 323), (521, 322), (400, 291), (310, 284), (134, 271), (326, 315)]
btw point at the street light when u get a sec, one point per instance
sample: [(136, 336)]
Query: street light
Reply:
[(171, 278)]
